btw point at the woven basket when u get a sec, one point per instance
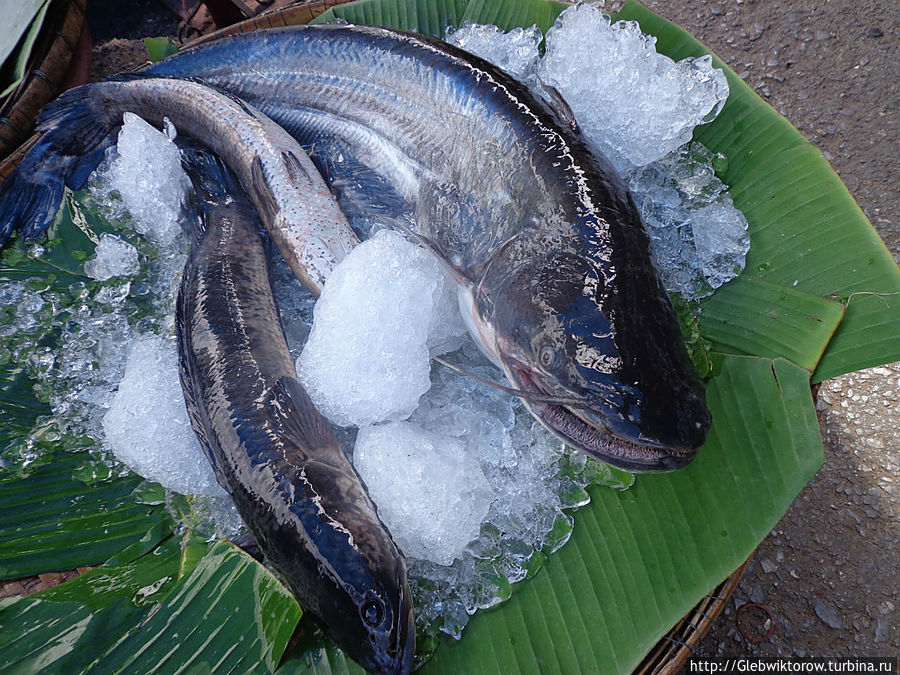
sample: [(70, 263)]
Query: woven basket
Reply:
[(667, 656), (62, 36)]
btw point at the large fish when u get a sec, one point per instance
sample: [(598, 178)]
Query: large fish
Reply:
[(297, 207), (553, 262), (272, 450)]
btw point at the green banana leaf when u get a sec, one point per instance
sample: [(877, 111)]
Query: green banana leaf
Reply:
[(140, 618), (638, 560)]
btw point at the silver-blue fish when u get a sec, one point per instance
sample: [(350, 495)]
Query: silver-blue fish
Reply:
[(272, 450)]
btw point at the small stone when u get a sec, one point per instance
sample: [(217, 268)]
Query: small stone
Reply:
[(768, 566), (875, 32), (828, 615), (757, 594), (882, 630)]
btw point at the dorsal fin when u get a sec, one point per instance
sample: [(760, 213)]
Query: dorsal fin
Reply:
[(266, 200), (295, 168), (304, 426), (558, 105)]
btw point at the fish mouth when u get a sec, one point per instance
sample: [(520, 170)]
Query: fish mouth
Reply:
[(583, 431)]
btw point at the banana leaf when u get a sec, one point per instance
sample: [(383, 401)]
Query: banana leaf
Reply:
[(638, 559), (142, 618)]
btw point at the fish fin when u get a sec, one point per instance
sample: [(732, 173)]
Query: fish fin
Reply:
[(187, 376), (432, 246), (555, 101), (29, 202), (247, 543), (361, 191), (76, 134), (304, 424), (266, 201), (295, 168)]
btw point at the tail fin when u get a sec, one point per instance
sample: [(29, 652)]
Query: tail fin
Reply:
[(214, 184), (213, 181), (77, 131)]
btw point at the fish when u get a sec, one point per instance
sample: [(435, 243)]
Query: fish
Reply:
[(271, 450), (552, 261), (296, 205)]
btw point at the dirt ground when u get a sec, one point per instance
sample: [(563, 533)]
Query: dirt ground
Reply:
[(827, 574)]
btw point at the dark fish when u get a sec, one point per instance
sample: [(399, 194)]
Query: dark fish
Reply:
[(272, 450), (552, 260), (298, 209)]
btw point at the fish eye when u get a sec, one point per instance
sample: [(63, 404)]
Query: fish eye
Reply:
[(547, 356), (373, 613)]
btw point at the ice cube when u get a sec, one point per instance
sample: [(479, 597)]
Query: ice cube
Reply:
[(145, 170), (113, 257), (698, 238), (516, 52), (430, 493), (366, 359), (147, 426)]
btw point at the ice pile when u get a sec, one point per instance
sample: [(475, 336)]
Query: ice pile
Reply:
[(113, 257), (447, 495), (698, 238), (147, 425), (516, 52), (635, 104), (367, 358), (145, 171), (109, 327)]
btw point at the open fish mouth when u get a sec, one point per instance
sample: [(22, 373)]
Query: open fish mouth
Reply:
[(581, 431)]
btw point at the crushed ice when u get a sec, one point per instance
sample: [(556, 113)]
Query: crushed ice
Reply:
[(113, 257), (151, 192), (148, 406), (367, 358)]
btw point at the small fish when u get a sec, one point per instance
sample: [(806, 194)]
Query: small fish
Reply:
[(296, 205), (552, 261), (271, 449)]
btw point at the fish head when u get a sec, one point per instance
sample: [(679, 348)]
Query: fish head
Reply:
[(342, 565), (374, 619), (596, 349), (363, 598)]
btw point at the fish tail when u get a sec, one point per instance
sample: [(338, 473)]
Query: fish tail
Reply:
[(212, 179), (214, 185), (76, 133)]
